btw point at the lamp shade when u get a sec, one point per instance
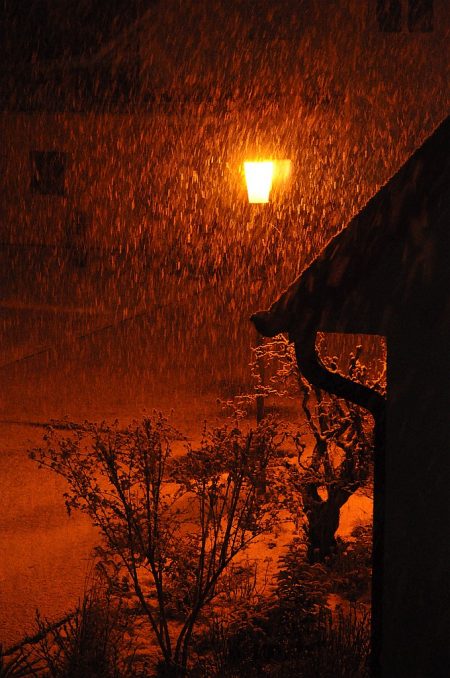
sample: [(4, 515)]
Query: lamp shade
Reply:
[(259, 177)]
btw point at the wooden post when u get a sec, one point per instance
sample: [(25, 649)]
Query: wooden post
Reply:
[(260, 410), (260, 363)]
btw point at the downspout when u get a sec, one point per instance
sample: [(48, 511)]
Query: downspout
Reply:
[(312, 368)]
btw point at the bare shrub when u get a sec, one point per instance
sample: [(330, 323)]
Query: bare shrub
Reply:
[(94, 641), (18, 664), (171, 527)]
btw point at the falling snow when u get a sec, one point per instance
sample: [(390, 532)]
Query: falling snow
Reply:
[(132, 289)]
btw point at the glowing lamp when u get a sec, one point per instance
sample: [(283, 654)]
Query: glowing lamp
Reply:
[(258, 177)]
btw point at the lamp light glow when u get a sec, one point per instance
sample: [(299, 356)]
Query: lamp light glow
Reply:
[(259, 177)]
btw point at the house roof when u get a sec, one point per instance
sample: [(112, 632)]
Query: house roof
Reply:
[(389, 261)]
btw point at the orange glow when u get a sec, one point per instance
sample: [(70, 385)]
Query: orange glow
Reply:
[(282, 170)]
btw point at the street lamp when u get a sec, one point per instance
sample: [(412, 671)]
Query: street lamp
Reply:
[(259, 178), (261, 175)]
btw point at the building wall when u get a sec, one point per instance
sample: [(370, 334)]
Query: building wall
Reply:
[(346, 102)]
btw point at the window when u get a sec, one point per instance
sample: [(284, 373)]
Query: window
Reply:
[(419, 14), (389, 16), (48, 170)]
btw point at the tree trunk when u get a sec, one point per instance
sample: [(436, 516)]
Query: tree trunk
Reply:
[(170, 670), (323, 522)]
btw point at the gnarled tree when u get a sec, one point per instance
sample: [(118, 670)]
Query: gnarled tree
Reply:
[(334, 445)]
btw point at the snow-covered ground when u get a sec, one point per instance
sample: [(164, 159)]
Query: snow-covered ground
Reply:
[(84, 356), (45, 555)]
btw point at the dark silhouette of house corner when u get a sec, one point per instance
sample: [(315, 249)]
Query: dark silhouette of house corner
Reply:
[(388, 273)]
